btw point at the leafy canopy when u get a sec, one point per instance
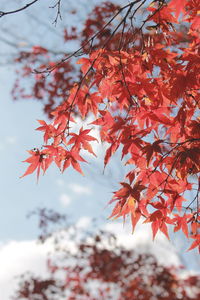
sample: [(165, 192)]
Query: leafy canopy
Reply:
[(139, 80)]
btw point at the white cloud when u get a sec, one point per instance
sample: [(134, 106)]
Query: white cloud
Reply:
[(80, 189), (60, 182), (83, 222), (11, 140), (141, 241), (65, 200), (17, 258)]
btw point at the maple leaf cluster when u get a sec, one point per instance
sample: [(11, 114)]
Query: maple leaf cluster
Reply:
[(100, 268), (140, 83)]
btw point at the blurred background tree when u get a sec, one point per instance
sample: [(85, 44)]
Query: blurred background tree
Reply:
[(87, 265)]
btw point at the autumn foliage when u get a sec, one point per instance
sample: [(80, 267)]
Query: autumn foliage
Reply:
[(139, 81), (97, 267)]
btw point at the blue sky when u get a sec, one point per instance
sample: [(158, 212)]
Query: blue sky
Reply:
[(19, 196)]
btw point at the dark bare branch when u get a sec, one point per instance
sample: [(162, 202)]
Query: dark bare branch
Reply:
[(4, 13), (58, 14)]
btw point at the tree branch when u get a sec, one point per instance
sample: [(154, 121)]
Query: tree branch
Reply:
[(2, 13)]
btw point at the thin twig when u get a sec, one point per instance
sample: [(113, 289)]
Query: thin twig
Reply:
[(4, 13), (58, 15)]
